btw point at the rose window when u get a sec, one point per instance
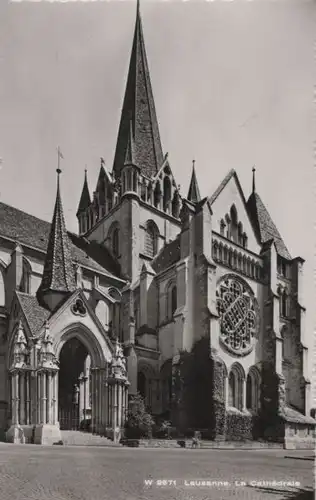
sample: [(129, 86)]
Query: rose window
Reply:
[(239, 314)]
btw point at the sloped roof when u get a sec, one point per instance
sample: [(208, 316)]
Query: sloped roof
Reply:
[(224, 182), (58, 274), (34, 232), (139, 107), (292, 415), (264, 226), (168, 255), (85, 200), (35, 314), (194, 191)]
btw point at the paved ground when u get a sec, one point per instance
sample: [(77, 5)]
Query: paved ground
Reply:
[(30, 472)]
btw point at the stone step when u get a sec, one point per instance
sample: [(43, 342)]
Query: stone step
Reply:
[(79, 438)]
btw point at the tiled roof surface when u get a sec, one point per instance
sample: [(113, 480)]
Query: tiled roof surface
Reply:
[(58, 274), (139, 106), (168, 255), (31, 231), (35, 314), (264, 225)]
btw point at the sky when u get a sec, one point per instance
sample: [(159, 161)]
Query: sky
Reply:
[(233, 84)]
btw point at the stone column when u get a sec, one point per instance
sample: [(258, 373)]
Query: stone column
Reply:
[(49, 399), (15, 398), (93, 406), (119, 405), (22, 398), (244, 395), (28, 400), (226, 389), (43, 399)]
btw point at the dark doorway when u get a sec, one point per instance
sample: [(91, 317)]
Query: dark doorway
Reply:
[(72, 360)]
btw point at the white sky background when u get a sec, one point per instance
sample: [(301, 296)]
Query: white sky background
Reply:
[(233, 86)]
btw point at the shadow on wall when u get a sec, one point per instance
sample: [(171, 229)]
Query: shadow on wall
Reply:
[(299, 494)]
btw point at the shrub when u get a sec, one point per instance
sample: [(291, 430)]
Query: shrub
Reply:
[(139, 422)]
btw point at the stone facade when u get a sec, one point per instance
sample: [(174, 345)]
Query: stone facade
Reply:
[(155, 272)]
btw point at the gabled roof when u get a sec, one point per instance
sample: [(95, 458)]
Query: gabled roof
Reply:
[(34, 313), (139, 107), (225, 181), (85, 200), (58, 274), (33, 232), (168, 255), (194, 191), (264, 226)]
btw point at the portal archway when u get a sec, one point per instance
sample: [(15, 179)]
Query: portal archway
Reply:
[(74, 387)]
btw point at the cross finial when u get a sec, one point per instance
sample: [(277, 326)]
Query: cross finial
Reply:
[(102, 161), (193, 164), (254, 179)]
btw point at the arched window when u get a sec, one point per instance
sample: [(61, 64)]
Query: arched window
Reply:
[(222, 227), (176, 205), (151, 239), (173, 299), (240, 233), (115, 242), (235, 386), (2, 288), (26, 277), (157, 195), (253, 390), (231, 389), (166, 193), (234, 224), (245, 240)]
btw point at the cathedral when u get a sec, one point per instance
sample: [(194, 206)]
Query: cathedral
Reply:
[(88, 320)]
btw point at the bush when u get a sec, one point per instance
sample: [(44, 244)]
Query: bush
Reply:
[(239, 427), (139, 422)]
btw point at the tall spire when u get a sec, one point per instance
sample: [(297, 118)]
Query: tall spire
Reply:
[(58, 277), (85, 200), (139, 107), (253, 179), (194, 192)]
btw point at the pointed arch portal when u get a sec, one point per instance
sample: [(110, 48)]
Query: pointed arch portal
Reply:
[(74, 387)]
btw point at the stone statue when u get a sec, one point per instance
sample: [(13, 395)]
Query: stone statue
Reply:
[(119, 361)]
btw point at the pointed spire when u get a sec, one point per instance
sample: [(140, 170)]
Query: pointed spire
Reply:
[(130, 150), (254, 179), (194, 192), (85, 200), (139, 107), (58, 276)]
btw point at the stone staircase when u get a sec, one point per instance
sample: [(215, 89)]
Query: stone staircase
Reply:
[(79, 438)]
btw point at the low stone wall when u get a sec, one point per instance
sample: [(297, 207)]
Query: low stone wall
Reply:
[(246, 445)]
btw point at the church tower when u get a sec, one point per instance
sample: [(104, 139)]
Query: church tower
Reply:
[(135, 208)]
